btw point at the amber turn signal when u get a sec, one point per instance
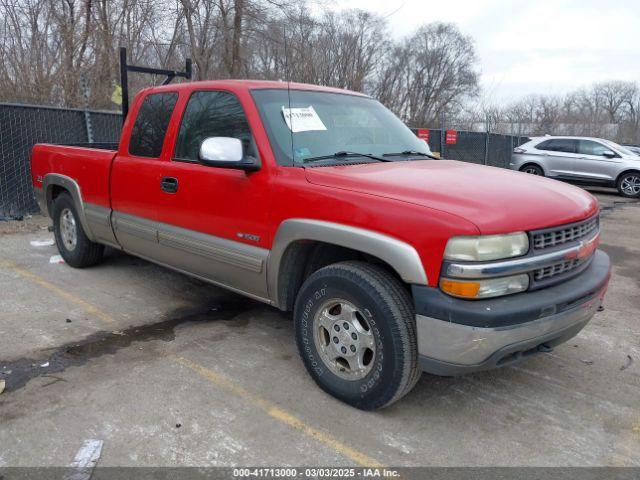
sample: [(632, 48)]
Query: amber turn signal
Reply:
[(485, 288), (459, 288)]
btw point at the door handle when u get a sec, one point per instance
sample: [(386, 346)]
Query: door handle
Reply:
[(169, 184)]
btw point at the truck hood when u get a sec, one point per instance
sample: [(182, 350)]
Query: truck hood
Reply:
[(494, 199)]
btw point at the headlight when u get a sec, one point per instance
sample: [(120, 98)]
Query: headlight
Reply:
[(487, 247), (491, 287)]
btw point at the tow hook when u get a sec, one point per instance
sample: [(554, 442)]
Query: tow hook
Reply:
[(544, 348)]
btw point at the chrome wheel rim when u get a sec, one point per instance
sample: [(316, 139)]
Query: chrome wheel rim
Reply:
[(531, 171), (630, 185), (68, 229), (344, 339)]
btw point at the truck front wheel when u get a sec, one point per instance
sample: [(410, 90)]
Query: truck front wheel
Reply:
[(355, 330), (73, 244)]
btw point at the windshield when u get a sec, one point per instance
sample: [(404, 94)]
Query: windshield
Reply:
[(620, 148), (321, 124)]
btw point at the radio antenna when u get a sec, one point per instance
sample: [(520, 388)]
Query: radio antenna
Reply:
[(287, 78)]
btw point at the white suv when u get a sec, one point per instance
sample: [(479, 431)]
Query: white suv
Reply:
[(589, 161)]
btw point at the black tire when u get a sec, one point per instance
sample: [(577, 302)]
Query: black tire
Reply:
[(628, 185), (85, 252), (385, 306), (532, 169)]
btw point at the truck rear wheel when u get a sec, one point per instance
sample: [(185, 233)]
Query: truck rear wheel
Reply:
[(74, 246), (355, 330)]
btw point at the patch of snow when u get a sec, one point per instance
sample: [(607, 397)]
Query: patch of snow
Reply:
[(56, 259), (42, 243)]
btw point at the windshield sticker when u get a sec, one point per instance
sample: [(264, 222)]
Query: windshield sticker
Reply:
[(302, 119)]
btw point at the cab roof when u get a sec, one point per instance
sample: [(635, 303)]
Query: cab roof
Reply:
[(247, 85)]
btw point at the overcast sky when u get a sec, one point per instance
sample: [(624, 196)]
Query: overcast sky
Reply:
[(535, 46)]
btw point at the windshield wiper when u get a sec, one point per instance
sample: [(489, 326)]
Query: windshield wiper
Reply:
[(410, 152), (344, 154)]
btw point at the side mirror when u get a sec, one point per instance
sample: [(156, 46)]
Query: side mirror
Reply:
[(226, 152), (609, 154)]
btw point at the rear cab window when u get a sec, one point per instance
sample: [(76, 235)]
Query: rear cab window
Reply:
[(150, 127)]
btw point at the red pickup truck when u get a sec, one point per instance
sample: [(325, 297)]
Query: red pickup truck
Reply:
[(321, 202)]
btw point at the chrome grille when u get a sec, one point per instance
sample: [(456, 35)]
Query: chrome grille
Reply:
[(557, 269), (564, 234)]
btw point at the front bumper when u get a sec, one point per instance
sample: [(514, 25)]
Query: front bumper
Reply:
[(459, 336)]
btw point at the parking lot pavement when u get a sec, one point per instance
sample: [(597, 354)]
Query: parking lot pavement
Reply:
[(166, 370)]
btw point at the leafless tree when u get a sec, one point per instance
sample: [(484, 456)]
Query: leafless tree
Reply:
[(48, 43), (431, 72), (607, 109)]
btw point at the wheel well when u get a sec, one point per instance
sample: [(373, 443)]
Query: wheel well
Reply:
[(533, 164), (57, 190), (630, 170), (53, 193), (303, 257)]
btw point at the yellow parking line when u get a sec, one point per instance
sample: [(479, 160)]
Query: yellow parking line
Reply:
[(278, 413), (217, 379), (38, 280)]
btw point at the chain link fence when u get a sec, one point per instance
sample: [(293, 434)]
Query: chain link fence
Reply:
[(22, 126), (483, 148)]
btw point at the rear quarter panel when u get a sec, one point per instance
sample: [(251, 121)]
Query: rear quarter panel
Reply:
[(89, 167), (519, 160)]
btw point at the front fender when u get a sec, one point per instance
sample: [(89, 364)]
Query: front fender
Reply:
[(401, 256)]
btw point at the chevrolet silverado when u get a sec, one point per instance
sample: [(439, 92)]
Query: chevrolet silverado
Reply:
[(321, 202)]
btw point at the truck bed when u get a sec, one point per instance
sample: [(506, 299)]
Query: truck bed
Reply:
[(88, 167)]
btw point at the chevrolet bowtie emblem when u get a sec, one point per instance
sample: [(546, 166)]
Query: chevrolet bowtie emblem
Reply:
[(586, 248)]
